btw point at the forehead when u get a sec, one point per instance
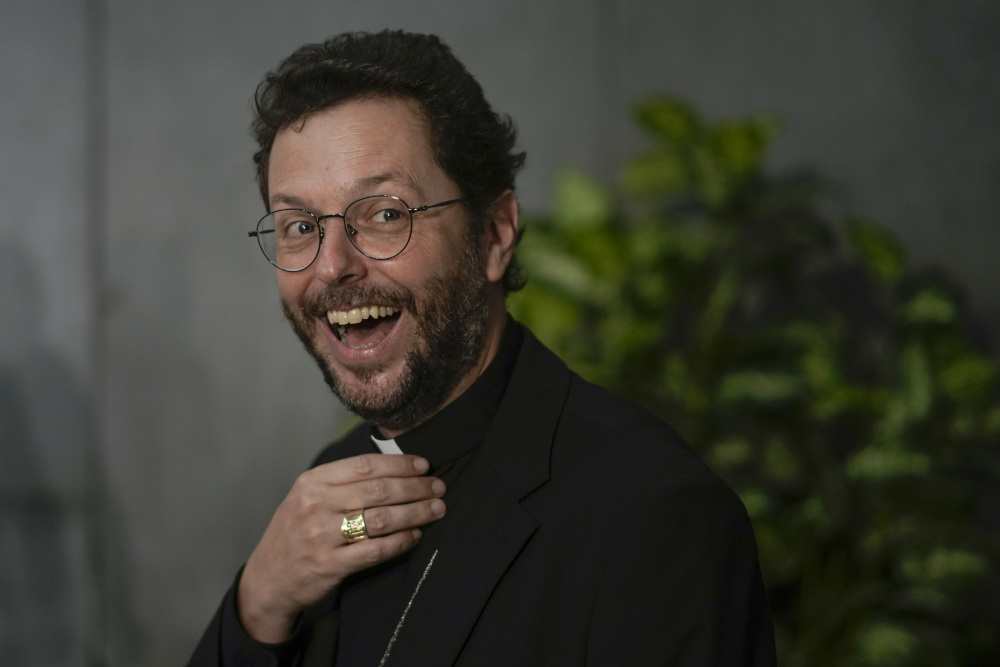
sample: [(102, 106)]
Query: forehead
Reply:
[(355, 147)]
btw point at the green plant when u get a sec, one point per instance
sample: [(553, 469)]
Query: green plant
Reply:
[(837, 389)]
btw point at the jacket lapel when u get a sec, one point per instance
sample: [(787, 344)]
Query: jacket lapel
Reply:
[(488, 530), (484, 536)]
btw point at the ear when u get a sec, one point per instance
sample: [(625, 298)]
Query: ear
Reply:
[(501, 236)]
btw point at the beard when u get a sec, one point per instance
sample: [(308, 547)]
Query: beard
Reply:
[(450, 336)]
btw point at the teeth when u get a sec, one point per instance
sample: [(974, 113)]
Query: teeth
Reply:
[(355, 315)]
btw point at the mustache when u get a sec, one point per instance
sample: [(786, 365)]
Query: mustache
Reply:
[(356, 296)]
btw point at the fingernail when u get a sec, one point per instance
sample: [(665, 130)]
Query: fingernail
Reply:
[(421, 464), (437, 507), (438, 487), (416, 533)]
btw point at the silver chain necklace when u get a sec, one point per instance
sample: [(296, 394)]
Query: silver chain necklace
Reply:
[(399, 626)]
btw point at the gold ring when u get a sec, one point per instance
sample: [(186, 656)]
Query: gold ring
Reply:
[(353, 527)]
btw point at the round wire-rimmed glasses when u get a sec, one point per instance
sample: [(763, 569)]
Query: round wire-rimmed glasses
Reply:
[(379, 226)]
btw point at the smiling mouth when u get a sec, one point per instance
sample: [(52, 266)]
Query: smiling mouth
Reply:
[(365, 327)]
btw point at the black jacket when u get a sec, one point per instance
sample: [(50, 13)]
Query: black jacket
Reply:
[(589, 534)]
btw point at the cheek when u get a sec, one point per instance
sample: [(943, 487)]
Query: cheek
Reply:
[(291, 286), (413, 271)]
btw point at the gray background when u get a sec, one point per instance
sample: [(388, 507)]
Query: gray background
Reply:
[(153, 407)]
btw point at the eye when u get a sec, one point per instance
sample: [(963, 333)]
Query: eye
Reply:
[(379, 214), (302, 228), (388, 215), (294, 225)]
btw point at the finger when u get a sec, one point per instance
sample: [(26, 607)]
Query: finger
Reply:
[(383, 491), (366, 553), (369, 466), (381, 521)]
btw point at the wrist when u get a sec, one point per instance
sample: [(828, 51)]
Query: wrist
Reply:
[(263, 620)]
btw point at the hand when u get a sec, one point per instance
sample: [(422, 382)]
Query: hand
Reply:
[(303, 555)]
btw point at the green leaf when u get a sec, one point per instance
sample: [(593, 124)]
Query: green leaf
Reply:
[(942, 564), (881, 253), (662, 173), (730, 453), (759, 387), (554, 268), (838, 400), (741, 145), (691, 244), (720, 303), (917, 390), (669, 120), (756, 501), (969, 379), (992, 421), (819, 367), (814, 509), (711, 182), (964, 425), (886, 644), (880, 463), (580, 202), (552, 318), (929, 306), (604, 254)]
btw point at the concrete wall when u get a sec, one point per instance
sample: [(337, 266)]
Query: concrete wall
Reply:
[(50, 473), (154, 408)]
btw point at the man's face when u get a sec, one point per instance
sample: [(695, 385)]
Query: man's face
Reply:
[(398, 369)]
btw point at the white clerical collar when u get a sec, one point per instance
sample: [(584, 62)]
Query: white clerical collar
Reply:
[(387, 446)]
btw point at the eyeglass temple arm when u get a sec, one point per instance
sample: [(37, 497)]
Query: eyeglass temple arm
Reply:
[(444, 203)]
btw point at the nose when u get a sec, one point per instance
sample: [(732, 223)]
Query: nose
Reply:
[(338, 261)]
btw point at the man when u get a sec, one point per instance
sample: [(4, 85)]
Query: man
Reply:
[(494, 509)]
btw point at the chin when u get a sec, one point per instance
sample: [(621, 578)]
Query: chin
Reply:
[(448, 342)]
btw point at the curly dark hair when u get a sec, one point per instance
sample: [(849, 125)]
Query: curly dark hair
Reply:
[(473, 144)]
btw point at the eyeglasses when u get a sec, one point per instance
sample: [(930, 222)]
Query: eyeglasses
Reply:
[(379, 226)]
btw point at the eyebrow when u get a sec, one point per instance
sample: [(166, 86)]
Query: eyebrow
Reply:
[(287, 200), (359, 188)]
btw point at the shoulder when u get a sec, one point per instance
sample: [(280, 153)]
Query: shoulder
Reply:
[(587, 433), (623, 441), (635, 475)]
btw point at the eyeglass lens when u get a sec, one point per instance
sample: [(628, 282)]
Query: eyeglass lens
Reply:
[(379, 226)]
